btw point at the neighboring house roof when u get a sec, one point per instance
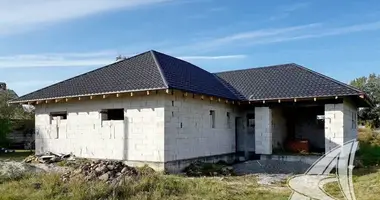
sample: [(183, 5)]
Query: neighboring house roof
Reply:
[(153, 70), (283, 82), (147, 71)]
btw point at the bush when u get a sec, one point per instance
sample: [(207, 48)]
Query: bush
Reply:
[(5, 128), (369, 147)]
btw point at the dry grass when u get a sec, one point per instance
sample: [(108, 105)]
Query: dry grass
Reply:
[(159, 186), (154, 186), (366, 185), (366, 180)]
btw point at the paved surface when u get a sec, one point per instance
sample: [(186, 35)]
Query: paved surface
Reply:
[(271, 171), (270, 167)]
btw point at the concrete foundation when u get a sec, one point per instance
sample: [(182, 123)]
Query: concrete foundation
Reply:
[(179, 165), (308, 159)]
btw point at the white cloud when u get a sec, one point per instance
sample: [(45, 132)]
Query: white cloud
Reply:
[(262, 33), (224, 57), (58, 59), (323, 33), (243, 37), (23, 87), (276, 35), (294, 7), (285, 11), (30, 83), (22, 15), (99, 58)]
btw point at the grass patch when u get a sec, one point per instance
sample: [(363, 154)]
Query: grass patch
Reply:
[(366, 180), (366, 185), (369, 147), (152, 186)]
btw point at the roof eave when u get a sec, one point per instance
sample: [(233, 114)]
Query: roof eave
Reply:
[(84, 95), (363, 97)]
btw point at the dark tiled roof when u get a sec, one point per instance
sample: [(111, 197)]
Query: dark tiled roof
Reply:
[(182, 75), (284, 81), (146, 71), (153, 70), (136, 73)]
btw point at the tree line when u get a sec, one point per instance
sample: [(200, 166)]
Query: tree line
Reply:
[(371, 86), (9, 112)]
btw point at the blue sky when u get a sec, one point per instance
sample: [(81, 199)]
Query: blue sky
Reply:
[(46, 41)]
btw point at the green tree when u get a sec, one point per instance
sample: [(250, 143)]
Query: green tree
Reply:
[(371, 86), (9, 112)]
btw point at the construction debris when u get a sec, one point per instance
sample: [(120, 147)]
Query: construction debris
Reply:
[(209, 169), (107, 171), (49, 157)]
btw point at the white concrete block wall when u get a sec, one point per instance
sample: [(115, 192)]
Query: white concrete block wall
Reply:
[(140, 137), (188, 131), (350, 120), (334, 126), (340, 123), (263, 130)]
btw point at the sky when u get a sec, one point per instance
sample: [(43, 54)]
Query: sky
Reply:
[(46, 41)]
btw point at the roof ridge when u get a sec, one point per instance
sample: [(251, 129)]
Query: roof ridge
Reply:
[(156, 53), (158, 65), (83, 74), (328, 78), (229, 87), (254, 68), (183, 61)]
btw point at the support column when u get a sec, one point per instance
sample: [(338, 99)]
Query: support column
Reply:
[(340, 124), (334, 126), (263, 130)]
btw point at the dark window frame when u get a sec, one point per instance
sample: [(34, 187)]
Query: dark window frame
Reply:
[(114, 114), (62, 114), (212, 119), (251, 120)]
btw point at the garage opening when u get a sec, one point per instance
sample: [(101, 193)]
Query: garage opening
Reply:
[(298, 129)]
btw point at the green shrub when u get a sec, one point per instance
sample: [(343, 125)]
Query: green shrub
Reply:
[(5, 128), (369, 147)]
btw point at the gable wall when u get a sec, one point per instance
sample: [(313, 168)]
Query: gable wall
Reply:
[(140, 137)]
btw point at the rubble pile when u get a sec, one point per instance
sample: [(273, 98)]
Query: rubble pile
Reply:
[(209, 169), (108, 171), (105, 170), (49, 157)]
